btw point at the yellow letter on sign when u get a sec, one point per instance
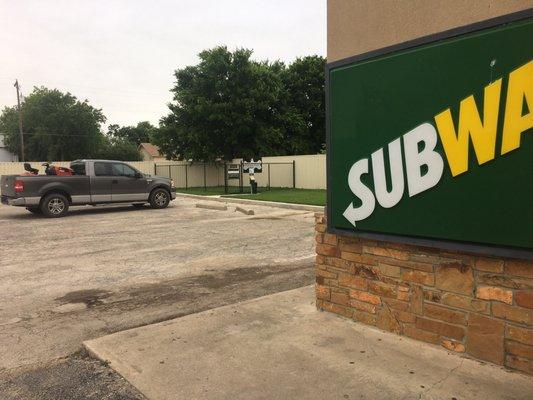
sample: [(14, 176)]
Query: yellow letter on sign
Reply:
[(483, 134), (520, 90)]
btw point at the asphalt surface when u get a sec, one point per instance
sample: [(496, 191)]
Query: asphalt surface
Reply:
[(103, 270), (77, 377)]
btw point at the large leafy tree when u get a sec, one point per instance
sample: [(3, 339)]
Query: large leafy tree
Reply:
[(57, 126), (118, 149), (224, 107), (303, 105), (141, 133)]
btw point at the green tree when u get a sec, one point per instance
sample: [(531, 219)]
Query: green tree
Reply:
[(118, 149), (224, 107), (303, 105), (141, 133), (57, 126)]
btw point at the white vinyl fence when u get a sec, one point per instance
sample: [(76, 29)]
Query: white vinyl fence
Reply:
[(13, 168), (309, 173), (304, 172), (185, 174)]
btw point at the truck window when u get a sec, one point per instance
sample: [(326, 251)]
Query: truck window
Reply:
[(120, 169), (79, 169), (102, 169)]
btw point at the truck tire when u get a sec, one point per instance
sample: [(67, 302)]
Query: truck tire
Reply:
[(54, 205), (159, 198)]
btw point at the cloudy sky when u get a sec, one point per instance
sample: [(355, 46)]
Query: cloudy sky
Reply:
[(121, 54)]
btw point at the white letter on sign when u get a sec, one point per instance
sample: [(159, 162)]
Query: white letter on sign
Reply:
[(358, 188), (385, 198), (414, 159)]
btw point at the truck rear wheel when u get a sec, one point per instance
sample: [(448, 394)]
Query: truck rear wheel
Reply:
[(159, 198), (54, 205)]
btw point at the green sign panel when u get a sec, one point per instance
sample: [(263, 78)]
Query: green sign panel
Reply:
[(432, 142)]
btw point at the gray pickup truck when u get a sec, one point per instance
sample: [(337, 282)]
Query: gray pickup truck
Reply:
[(92, 182)]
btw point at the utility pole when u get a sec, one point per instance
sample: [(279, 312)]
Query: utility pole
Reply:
[(20, 121)]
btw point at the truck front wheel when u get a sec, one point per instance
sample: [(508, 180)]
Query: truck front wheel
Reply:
[(159, 198), (54, 205)]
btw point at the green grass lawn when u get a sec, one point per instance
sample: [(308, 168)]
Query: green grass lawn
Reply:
[(210, 191), (315, 197)]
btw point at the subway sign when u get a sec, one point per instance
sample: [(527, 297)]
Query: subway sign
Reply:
[(431, 142)]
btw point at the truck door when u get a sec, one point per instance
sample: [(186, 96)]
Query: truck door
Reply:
[(101, 182), (128, 185)]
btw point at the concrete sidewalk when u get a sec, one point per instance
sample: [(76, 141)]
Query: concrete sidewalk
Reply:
[(280, 347)]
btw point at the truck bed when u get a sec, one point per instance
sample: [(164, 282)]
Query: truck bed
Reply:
[(36, 185)]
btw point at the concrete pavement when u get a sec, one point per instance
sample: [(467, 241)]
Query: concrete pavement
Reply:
[(105, 269), (280, 347)]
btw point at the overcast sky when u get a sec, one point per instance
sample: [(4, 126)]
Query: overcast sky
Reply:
[(121, 54)]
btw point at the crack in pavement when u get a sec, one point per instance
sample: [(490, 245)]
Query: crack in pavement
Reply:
[(442, 380)]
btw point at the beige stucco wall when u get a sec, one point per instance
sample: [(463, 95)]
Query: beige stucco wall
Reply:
[(358, 26)]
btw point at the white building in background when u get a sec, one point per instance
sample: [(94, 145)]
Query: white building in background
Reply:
[(5, 154)]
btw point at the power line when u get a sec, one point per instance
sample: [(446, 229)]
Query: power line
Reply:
[(57, 134), (107, 89), (101, 89), (54, 106)]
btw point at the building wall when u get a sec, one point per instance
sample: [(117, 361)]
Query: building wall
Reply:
[(7, 156), (145, 155), (358, 26), (479, 306)]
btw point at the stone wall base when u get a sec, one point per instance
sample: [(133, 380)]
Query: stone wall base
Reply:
[(466, 303)]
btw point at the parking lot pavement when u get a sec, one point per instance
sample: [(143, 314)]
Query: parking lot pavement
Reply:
[(102, 270)]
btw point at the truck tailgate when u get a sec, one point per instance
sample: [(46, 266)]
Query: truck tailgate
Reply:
[(7, 185)]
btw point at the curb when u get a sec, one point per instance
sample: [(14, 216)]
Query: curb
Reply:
[(289, 206), (212, 207), (244, 211)]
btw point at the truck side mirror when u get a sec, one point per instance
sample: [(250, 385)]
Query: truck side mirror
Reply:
[(138, 175)]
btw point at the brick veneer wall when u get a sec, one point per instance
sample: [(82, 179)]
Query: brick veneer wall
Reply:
[(466, 303)]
